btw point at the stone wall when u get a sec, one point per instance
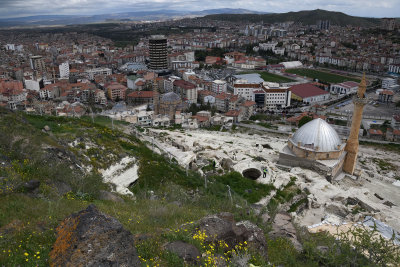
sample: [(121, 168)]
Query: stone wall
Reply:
[(314, 155), (294, 161)]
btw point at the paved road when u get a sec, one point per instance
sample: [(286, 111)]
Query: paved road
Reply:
[(260, 128), (378, 141)]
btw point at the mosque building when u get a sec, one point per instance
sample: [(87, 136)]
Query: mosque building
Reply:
[(316, 145), (168, 104)]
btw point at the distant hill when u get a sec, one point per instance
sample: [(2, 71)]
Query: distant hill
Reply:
[(227, 11), (133, 16), (307, 17)]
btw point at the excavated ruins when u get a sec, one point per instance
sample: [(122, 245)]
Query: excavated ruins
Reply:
[(345, 199)]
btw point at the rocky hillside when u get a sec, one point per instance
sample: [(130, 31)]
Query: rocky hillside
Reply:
[(56, 208)]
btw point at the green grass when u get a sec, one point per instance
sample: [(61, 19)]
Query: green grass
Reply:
[(270, 77), (296, 205), (34, 220), (266, 117), (268, 125), (28, 224), (340, 122), (104, 121), (246, 188), (322, 76), (384, 165)]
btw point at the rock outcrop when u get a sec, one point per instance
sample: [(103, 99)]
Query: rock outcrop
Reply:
[(223, 227), (282, 226), (92, 238), (186, 251), (31, 185)]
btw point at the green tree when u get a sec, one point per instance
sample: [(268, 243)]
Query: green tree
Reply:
[(213, 110), (193, 108), (304, 120)]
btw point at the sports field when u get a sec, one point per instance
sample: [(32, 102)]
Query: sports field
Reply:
[(270, 77), (322, 76)]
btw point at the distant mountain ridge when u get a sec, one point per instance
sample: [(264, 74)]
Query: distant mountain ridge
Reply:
[(307, 17), (133, 15)]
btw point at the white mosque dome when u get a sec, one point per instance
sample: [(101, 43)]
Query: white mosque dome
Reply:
[(170, 97), (317, 135)]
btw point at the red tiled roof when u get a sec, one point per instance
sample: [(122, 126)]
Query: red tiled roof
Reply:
[(141, 94), (309, 114), (205, 92), (232, 113), (200, 118), (184, 84), (234, 98), (115, 85), (140, 83), (375, 132), (307, 90), (348, 84), (247, 85), (223, 96), (275, 90), (386, 92), (248, 103)]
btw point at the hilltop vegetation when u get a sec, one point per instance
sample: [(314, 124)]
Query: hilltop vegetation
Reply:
[(67, 160), (307, 17)]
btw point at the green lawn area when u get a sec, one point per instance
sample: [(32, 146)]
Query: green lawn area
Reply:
[(322, 76), (104, 121), (270, 77)]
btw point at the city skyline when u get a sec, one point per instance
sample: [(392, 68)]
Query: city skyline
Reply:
[(21, 8)]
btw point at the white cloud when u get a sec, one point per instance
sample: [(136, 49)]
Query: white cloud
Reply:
[(373, 8)]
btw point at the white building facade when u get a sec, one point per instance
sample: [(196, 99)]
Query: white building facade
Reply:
[(388, 83), (64, 70), (246, 90), (344, 88), (219, 86), (277, 98), (99, 71)]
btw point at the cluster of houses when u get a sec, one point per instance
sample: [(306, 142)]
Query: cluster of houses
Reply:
[(389, 133), (67, 77)]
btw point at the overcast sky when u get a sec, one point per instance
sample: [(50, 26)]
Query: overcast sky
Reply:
[(369, 8)]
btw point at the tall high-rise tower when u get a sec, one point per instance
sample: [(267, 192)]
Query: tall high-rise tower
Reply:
[(352, 142), (158, 52)]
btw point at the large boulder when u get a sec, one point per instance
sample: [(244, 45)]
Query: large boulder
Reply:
[(92, 238), (223, 227), (338, 210), (282, 226), (227, 164), (186, 251), (31, 185)]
